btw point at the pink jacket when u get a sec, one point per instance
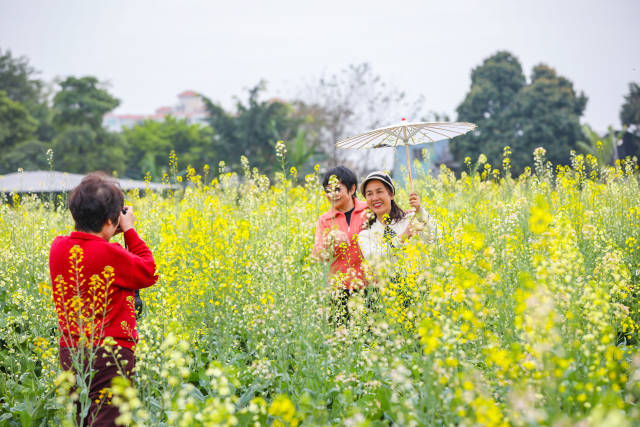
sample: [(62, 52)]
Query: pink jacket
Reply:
[(348, 260)]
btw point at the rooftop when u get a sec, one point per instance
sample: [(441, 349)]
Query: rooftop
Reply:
[(188, 93), (58, 182), (127, 116)]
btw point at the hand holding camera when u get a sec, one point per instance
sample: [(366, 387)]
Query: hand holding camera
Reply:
[(126, 219)]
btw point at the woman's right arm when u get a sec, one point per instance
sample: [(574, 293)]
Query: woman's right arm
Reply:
[(134, 267), (320, 242)]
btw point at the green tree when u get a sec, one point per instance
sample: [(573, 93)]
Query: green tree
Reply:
[(630, 110), (18, 80), (253, 131), (28, 155), (24, 116), (149, 149), (82, 144), (81, 101), (302, 151), (545, 113), (16, 125), (630, 118), (151, 142), (81, 149), (494, 86), (510, 112)]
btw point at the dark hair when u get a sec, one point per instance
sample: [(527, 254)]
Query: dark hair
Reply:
[(395, 214), (95, 200), (344, 175)]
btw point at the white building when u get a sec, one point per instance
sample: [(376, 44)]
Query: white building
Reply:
[(190, 108)]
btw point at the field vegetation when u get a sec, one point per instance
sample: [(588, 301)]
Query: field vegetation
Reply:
[(525, 311)]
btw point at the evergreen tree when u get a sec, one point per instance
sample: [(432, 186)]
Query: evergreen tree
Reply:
[(253, 131), (81, 101), (16, 126), (151, 142), (82, 144), (630, 110), (510, 112)]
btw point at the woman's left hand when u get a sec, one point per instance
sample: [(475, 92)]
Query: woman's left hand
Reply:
[(414, 201), (407, 234)]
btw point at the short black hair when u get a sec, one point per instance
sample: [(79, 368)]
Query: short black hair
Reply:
[(344, 175), (96, 199)]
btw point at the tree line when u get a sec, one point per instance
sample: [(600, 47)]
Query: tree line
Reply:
[(544, 111), (66, 117)]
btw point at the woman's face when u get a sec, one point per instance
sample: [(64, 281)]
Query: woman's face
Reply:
[(378, 198), (340, 198)]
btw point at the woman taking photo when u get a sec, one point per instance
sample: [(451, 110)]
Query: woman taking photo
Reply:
[(389, 226), (93, 291)]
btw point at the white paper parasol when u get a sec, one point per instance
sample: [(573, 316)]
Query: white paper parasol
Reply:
[(406, 134)]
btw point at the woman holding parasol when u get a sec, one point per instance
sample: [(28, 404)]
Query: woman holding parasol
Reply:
[(389, 226), (379, 190)]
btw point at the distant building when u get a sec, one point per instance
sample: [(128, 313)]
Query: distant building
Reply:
[(115, 122), (430, 156), (190, 108)]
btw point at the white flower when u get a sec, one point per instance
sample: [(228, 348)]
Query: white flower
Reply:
[(281, 149)]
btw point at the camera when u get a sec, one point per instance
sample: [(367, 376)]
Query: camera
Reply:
[(124, 212)]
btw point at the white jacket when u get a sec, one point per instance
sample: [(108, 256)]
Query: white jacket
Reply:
[(372, 243)]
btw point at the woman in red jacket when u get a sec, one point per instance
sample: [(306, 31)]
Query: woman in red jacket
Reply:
[(336, 237), (93, 290)]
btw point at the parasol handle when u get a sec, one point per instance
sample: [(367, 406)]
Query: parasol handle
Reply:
[(406, 147)]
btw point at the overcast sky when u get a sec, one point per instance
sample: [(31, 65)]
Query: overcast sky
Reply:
[(149, 51)]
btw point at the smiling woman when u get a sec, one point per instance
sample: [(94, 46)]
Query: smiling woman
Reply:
[(336, 236), (389, 225)]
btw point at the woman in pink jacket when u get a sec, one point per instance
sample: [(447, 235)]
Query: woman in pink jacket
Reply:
[(336, 237)]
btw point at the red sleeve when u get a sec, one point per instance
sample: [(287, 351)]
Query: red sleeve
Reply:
[(137, 269)]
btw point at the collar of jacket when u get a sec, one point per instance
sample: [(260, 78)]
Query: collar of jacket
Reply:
[(358, 207), (84, 236)]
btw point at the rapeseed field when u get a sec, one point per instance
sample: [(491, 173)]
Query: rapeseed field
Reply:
[(523, 310)]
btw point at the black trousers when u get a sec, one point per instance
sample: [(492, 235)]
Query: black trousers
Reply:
[(106, 366)]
